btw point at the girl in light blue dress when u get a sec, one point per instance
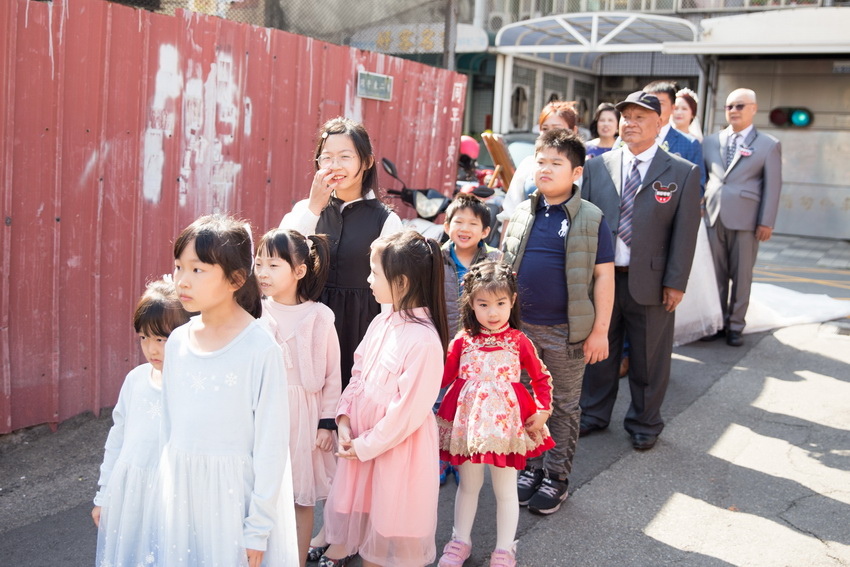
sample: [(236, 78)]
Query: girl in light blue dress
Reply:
[(224, 483), (132, 446)]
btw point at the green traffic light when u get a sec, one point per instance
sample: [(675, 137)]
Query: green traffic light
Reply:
[(800, 118)]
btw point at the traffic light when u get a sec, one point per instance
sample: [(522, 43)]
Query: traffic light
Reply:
[(791, 117)]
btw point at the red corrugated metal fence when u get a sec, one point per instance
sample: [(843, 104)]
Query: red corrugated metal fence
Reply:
[(119, 127)]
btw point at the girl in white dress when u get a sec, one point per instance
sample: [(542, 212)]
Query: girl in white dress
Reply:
[(224, 484), (292, 270), (132, 446)]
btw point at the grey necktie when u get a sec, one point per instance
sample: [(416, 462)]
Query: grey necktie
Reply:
[(731, 149)]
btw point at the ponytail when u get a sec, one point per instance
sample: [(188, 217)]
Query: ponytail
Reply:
[(409, 257), (318, 265), (436, 299), (249, 296)]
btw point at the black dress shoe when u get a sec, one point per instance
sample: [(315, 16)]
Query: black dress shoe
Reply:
[(734, 338), (718, 335), (585, 428), (643, 441)]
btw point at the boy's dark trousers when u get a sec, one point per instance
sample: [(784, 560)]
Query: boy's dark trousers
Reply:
[(565, 363)]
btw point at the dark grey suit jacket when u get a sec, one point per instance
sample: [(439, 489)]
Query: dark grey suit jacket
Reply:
[(665, 221)]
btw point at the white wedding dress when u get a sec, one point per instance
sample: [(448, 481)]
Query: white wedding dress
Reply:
[(699, 313)]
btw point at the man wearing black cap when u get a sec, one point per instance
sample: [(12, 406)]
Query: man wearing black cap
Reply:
[(651, 199)]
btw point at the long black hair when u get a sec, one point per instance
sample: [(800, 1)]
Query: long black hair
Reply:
[(295, 249), (225, 241), (414, 264)]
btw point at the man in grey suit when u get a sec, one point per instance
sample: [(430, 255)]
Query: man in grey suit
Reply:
[(651, 199), (741, 200)]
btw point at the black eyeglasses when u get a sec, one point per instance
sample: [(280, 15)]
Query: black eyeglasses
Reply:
[(739, 107)]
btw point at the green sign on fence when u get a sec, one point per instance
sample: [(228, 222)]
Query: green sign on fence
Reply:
[(375, 86)]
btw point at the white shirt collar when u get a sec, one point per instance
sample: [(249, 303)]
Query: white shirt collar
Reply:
[(369, 195), (645, 156), (662, 135), (743, 133)]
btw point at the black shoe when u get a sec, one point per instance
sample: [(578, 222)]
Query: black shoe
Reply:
[(527, 484), (315, 552), (586, 428), (643, 441), (718, 335), (549, 496), (734, 338)]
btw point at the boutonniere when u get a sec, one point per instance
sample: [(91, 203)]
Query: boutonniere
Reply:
[(665, 146), (746, 152)]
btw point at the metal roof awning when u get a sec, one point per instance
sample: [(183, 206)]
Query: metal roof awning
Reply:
[(578, 39), (774, 32)]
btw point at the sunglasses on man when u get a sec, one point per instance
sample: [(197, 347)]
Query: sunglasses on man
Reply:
[(739, 107)]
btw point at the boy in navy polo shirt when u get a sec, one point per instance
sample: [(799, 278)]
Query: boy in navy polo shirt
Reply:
[(560, 246)]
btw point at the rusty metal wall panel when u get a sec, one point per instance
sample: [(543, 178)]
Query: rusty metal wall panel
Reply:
[(120, 127)]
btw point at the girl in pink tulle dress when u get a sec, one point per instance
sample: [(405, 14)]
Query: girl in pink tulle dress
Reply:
[(487, 416), (383, 501), (291, 270)]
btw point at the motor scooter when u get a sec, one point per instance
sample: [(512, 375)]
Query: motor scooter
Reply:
[(428, 203)]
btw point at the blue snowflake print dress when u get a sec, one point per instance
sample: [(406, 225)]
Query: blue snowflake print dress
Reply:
[(127, 473), (223, 482)]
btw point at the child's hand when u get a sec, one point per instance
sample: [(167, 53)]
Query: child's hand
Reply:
[(595, 347), (325, 440), (255, 557), (347, 453), (536, 422), (343, 431), (320, 190), (95, 515)]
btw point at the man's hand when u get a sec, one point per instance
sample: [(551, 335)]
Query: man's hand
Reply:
[(672, 298), (763, 233)]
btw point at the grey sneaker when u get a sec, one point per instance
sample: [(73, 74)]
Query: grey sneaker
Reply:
[(549, 496), (527, 484)]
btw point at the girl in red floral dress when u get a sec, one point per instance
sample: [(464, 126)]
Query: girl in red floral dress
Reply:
[(488, 416)]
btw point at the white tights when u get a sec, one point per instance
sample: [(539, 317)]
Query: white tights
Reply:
[(507, 502)]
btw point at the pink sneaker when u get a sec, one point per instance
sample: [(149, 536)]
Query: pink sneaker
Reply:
[(455, 553), (502, 558)]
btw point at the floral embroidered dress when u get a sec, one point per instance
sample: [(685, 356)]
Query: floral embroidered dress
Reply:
[(128, 471), (483, 414)]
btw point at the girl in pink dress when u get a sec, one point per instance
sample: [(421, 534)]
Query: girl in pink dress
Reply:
[(488, 416), (292, 270), (383, 501)]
